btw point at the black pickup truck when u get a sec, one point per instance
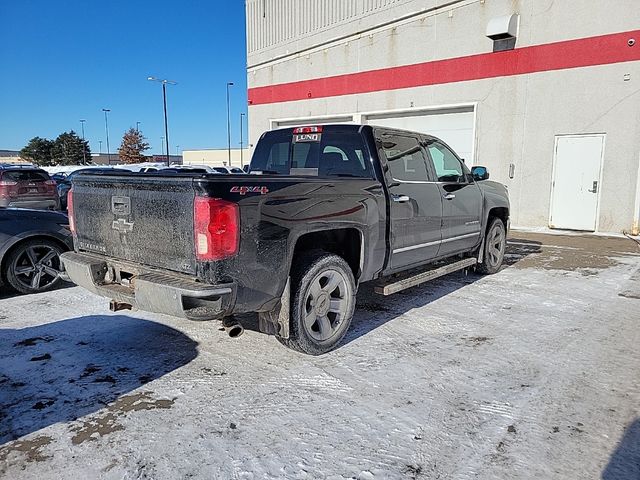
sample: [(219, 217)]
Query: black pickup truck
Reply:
[(324, 209)]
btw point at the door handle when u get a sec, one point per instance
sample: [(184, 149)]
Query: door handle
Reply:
[(448, 196), (400, 198), (595, 187)]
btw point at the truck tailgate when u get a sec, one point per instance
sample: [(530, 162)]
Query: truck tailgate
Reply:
[(139, 218)]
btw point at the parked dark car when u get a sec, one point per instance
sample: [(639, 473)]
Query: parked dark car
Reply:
[(64, 183), (227, 170), (31, 242), (27, 187), (324, 209), (58, 177)]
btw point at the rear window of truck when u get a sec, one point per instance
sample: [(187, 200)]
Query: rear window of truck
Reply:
[(324, 154)]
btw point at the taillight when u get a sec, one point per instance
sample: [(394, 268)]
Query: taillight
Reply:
[(301, 130), (216, 225), (50, 184), (8, 188), (72, 220)]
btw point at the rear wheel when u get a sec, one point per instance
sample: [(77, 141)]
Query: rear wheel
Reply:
[(34, 266), (495, 244), (322, 304)]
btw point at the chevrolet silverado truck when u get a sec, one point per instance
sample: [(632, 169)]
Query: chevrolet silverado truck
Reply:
[(324, 209)]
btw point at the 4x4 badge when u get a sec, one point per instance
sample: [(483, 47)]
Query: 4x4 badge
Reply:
[(244, 190)]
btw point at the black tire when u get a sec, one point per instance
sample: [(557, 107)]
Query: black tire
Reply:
[(328, 303), (33, 266), (495, 244)]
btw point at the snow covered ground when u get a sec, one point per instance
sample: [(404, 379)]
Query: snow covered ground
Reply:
[(530, 373)]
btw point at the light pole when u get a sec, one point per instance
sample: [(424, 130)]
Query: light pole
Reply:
[(84, 149), (100, 149), (137, 126), (177, 150), (164, 83), (241, 141), (229, 84), (106, 127), (162, 145)]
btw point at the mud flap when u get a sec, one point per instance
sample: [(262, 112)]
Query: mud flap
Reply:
[(276, 322), (481, 251)]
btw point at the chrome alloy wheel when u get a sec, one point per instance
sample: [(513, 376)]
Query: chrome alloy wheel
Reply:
[(326, 304), (36, 267), (496, 243)]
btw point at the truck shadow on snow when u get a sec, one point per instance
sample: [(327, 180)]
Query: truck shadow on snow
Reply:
[(61, 371), (624, 464), (373, 311)]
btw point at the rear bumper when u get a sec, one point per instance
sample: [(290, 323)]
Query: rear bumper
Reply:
[(150, 290), (37, 204)]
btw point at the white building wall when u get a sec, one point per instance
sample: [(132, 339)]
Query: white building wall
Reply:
[(517, 117), (217, 157)]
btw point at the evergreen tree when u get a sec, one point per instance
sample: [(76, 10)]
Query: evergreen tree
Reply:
[(38, 151), (68, 150), (133, 147)]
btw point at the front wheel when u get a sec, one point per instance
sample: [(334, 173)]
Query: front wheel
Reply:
[(322, 304), (495, 244)]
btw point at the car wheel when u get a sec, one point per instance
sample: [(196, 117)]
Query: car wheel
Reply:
[(34, 266), (322, 304), (495, 244)]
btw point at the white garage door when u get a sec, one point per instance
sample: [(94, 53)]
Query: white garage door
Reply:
[(301, 122), (454, 126)]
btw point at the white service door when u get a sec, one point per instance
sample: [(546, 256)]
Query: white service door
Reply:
[(455, 128), (576, 182)]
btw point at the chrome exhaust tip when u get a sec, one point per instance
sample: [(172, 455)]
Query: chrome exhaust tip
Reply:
[(234, 330)]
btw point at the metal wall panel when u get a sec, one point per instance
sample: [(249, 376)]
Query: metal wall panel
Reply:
[(272, 22)]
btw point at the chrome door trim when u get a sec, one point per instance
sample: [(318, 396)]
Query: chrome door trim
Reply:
[(447, 240)]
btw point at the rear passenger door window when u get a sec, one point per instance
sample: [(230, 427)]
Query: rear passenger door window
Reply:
[(405, 158)]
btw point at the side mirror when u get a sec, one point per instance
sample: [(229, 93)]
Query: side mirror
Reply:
[(479, 173)]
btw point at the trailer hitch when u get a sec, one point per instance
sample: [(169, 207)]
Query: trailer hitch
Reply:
[(116, 306)]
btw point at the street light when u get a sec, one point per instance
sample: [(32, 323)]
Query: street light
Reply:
[(137, 126), (229, 84), (84, 150), (164, 83), (241, 140), (106, 127)]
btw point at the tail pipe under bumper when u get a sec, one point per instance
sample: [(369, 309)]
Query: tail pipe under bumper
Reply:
[(152, 291)]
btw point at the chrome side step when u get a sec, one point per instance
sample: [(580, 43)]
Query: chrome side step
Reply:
[(399, 285)]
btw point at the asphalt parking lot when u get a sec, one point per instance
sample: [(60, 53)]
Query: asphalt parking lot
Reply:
[(529, 373)]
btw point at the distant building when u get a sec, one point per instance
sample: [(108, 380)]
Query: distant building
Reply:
[(11, 156), (217, 157), (114, 159)]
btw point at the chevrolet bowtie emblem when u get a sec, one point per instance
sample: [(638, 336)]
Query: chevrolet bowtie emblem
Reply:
[(122, 225)]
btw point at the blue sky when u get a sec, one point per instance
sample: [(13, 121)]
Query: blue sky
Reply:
[(62, 61)]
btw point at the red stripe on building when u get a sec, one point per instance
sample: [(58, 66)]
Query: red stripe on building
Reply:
[(584, 52)]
